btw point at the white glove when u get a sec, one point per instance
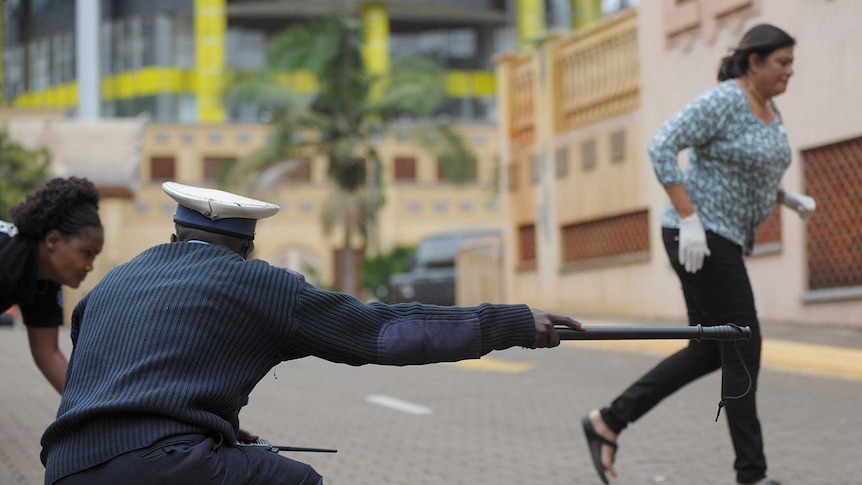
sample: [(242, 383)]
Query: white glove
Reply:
[(692, 243), (804, 205)]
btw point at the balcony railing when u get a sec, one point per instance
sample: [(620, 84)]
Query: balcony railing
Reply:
[(598, 73)]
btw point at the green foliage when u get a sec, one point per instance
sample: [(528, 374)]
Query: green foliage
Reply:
[(343, 118), (344, 113), (21, 171), (457, 162), (375, 272)]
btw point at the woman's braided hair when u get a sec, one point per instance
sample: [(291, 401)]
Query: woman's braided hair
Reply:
[(68, 205)]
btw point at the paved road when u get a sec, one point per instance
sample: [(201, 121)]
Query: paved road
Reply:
[(510, 418)]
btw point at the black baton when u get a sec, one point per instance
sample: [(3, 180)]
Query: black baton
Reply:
[(691, 332)]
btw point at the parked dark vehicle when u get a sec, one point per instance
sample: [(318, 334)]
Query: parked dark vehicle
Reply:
[(431, 278)]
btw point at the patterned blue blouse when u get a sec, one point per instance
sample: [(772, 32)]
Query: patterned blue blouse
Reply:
[(736, 162)]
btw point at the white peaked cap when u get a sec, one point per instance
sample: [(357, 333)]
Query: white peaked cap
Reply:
[(217, 210)]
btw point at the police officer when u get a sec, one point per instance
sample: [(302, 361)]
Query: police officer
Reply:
[(168, 346)]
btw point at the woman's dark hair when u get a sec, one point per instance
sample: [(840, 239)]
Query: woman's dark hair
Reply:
[(67, 205), (762, 40)]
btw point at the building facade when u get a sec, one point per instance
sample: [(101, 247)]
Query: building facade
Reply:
[(164, 60), (168, 58), (578, 115)]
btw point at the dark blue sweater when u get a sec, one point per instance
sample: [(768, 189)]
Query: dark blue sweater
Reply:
[(176, 339)]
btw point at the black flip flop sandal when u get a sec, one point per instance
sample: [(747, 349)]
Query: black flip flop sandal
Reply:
[(594, 443)]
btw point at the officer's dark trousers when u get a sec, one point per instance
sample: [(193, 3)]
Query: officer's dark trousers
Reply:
[(197, 459), (719, 293)]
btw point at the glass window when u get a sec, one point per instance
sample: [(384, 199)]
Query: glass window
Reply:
[(13, 72), (144, 105), (109, 109), (453, 48), (187, 111), (135, 26), (527, 244), (55, 61), (245, 49), (462, 44), (184, 49), (165, 107), (38, 5), (147, 41), (120, 55), (106, 48), (68, 71), (245, 113), (163, 41), (39, 55)]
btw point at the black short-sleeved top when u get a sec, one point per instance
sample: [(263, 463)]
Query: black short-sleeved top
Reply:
[(40, 301)]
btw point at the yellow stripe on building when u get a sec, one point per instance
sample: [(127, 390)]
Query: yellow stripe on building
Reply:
[(148, 81), (470, 84), (153, 80)]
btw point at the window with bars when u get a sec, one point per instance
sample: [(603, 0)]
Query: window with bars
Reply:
[(834, 232), (162, 169), (622, 235), (526, 246), (405, 169)]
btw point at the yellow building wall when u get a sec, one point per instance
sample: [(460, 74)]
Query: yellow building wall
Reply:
[(412, 211), (141, 217)]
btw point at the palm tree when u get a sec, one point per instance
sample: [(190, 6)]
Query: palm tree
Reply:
[(341, 120)]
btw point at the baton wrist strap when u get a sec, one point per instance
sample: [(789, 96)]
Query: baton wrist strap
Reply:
[(724, 398)]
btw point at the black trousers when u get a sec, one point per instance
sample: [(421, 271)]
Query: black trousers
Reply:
[(196, 459), (719, 293)]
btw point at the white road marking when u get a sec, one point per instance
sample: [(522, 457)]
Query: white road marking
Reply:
[(398, 404)]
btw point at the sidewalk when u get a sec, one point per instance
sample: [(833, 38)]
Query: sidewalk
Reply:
[(513, 416)]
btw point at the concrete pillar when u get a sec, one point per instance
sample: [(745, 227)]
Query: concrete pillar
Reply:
[(87, 58)]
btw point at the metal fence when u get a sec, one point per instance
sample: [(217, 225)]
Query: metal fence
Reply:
[(479, 276)]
